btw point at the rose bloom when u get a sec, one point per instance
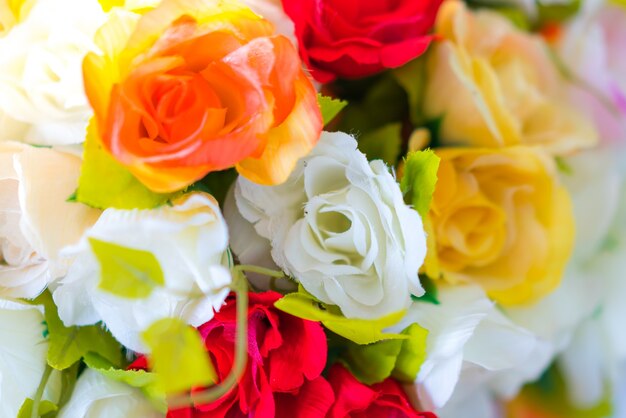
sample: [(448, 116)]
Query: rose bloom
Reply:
[(494, 85), (194, 86), (340, 227), (188, 239), (357, 400), (286, 356), (36, 220), (42, 98), (501, 219), (592, 46), (356, 39)]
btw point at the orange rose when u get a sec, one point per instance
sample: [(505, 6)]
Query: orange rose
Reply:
[(197, 86)]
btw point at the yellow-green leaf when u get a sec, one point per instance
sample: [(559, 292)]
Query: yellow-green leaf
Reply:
[(360, 331), (105, 183), (126, 272), (412, 353), (383, 143), (330, 107), (419, 179), (45, 409), (178, 357)]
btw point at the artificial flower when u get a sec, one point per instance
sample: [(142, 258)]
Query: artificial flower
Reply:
[(286, 356), (23, 349), (42, 98), (494, 85), (356, 400), (36, 221), (192, 87), (591, 48), (501, 219), (340, 227), (96, 396), (188, 239), (351, 40)]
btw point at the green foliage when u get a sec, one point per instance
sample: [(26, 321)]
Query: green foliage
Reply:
[(178, 357), (383, 143), (430, 294), (419, 179), (330, 107), (360, 331), (140, 379), (67, 345), (563, 166), (126, 272), (105, 183), (412, 78), (401, 359), (557, 11), (217, 184), (46, 409)]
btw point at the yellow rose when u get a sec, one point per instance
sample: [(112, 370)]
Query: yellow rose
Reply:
[(494, 85), (499, 218)]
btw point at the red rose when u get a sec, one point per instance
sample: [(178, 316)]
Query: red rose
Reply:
[(356, 400), (352, 39), (286, 356)]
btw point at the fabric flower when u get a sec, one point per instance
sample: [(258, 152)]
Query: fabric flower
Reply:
[(188, 239), (340, 227), (351, 40), (197, 86), (501, 219), (591, 47), (356, 400), (41, 91), (286, 356), (493, 85), (96, 396), (36, 220), (23, 349)]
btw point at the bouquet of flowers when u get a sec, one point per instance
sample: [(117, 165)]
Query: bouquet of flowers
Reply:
[(312, 208)]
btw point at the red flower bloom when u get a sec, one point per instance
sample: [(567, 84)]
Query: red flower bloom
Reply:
[(352, 39), (356, 400), (286, 356)]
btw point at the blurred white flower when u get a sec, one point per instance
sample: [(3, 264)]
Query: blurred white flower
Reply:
[(340, 227), (189, 239), (23, 349), (96, 396), (36, 221), (42, 99)]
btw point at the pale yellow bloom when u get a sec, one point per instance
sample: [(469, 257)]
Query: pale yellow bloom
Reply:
[(494, 85)]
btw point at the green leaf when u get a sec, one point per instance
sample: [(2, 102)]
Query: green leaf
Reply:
[(105, 183), (563, 166), (127, 272), (412, 78), (140, 379), (383, 143), (330, 107), (419, 179), (360, 331), (412, 354), (217, 184), (46, 409), (430, 294), (557, 12), (178, 357), (67, 345), (401, 359)]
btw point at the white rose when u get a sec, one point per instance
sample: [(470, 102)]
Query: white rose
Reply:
[(340, 227), (23, 349), (96, 396), (189, 239), (41, 84), (36, 221)]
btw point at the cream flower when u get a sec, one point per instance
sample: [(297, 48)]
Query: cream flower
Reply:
[(339, 226), (96, 396), (41, 84), (36, 221), (23, 349), (494, 85), (189, 240)]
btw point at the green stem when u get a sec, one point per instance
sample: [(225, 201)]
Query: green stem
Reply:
[(241, 354), (259, 270), (34, 413)]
